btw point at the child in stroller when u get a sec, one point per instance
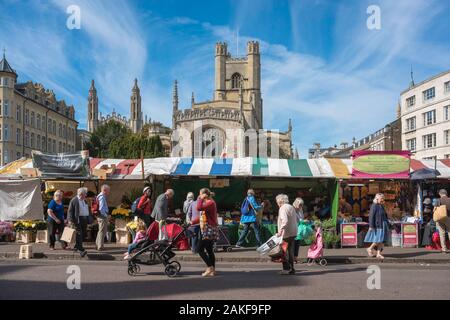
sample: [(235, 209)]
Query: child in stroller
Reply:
[(140, 236), (152, 252), (315, 251)]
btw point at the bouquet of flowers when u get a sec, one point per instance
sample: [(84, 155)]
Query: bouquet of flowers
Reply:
[(121, 213), (25, 225), (132, 225)]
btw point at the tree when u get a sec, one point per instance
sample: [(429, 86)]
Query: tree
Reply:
[(102, 138)]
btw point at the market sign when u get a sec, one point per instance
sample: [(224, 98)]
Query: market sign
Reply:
[(381, 164), (349, 235), (410, 235), (62, 164)]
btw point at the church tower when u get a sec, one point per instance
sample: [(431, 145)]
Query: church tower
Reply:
[(135, 109), (92, 108), (220, 68), (254, 79), (174, 102)]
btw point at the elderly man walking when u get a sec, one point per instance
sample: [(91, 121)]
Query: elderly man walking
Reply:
[(287, 228), (77, 212), (102, 216), (161, 209), (444, 225)]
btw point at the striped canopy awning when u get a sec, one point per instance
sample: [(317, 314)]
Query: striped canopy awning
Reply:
[(262, 167), (443, 166), (239, 167)]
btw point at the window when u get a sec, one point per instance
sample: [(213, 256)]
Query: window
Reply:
[(447, 137), (447, 87), (18, 155), (429, 118), (18, 137), (5, 156), (1, 132), (38, 142), (64, 147), (38, 121), (32, 140), (43, 123), (411, 124), (5, 82), (429, 158), (6, 108), (411, 101), (27, 117), (44, 144), (6, 134), (446, 108), (60, 147), (54, 127), (54, 146), (64, 132), (447, 156), (49, 129), (32, 119), (60, 130), (429, 94), (236, 80), (27, 139), (49, 145), (18, 113), (411, 144), (429, 141)]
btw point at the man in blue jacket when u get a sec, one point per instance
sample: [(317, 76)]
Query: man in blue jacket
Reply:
[(249, 210)]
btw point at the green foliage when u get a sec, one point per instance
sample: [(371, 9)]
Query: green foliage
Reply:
[(328, 238), (114, 140)]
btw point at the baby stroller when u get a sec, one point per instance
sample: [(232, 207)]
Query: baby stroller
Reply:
[(315, 251), (152, 252)]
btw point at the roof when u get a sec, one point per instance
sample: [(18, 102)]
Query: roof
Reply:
[(425, 81), (5, 67)]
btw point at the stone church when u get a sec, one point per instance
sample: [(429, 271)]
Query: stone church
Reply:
[(230, 125), (135, 123)]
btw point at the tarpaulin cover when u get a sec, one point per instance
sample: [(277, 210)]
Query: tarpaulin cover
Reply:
[(62, 164), (20, 200)]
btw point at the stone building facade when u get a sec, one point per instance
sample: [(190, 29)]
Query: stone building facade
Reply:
[(135, 122), (425, 116), (231, 124), (31, 118)]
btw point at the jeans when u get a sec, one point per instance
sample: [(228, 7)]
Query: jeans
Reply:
[(52, 227), (194, 240), (297, 248), (255, 227), (132, 246), (102, 229), (84, 221), (79, 237), (288, 261), (206, 252)]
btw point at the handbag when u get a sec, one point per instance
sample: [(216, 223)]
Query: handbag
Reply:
[(208, 232), (69, 235), (440, 213)]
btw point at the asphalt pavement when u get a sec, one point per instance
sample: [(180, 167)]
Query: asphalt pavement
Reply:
[(47, 279)]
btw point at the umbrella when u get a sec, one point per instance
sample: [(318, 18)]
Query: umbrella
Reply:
[(425, 173)]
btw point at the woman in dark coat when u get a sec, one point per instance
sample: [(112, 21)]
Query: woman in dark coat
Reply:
[(378, 227)]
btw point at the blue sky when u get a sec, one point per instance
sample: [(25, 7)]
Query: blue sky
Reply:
[(322, 67)]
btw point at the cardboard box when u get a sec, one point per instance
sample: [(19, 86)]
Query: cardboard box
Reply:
[(123, 237), (24, 237)]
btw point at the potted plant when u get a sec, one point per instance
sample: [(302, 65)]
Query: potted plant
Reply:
[(336, 241), (327, 240), (24, 231)]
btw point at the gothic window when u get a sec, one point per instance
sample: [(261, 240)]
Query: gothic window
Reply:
[(236, 80)]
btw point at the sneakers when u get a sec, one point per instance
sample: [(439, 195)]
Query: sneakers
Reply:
[(83, 253), (210, 272), (238, 246)]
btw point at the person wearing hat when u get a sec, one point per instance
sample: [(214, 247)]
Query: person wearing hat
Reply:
[(427, 210), (145, 205)]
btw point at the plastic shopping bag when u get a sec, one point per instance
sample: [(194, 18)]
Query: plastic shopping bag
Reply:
[(270, 244)]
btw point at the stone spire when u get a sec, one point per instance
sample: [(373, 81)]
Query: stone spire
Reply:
[(241, 105), (399, 110), (92, 108), (136, 120), (192, 99), (175, 96), (296, 155)]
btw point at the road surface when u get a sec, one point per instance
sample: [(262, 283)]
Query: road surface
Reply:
[(44, 279)]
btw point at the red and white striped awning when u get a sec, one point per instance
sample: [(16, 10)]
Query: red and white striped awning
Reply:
[(443, 166)]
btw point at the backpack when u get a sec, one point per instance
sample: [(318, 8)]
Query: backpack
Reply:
[(134, 207), (95, 207), (245, 207)]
